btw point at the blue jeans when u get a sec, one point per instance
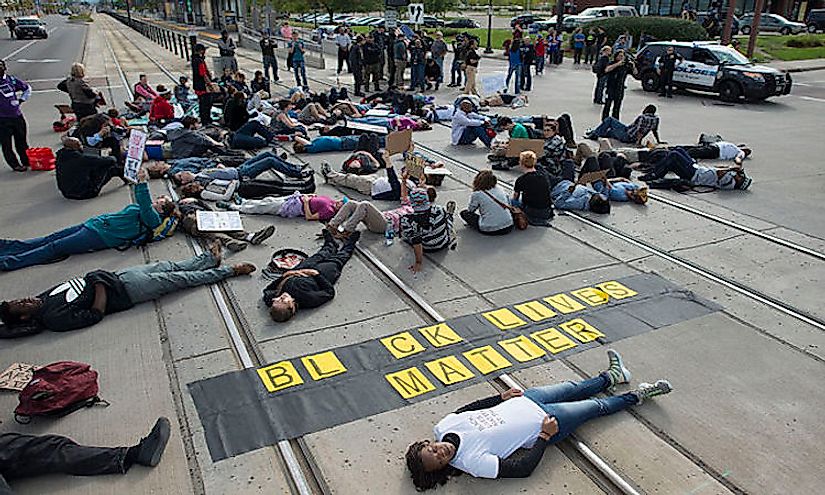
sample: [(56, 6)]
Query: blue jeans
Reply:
[(300, 71), (439, 61), (245, 137), (471, 133), (617, 191), (612, 128), (267, 160), (271, 62), (149, 282), (571, 403), (514, 70), (417, 76), (539, 64), (455, 72), (76, 239)]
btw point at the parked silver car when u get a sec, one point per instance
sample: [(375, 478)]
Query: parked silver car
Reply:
[(771, 23)]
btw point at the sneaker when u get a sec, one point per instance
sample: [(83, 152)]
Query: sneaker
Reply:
[(235, 245), (262, 235), (151, 447), (223, 205), (617, 373), (649, 391), (353, 238), (647, 177), (283, 156), (450, 208), (326, 170)]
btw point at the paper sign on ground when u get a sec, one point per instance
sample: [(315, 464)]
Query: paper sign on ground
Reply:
[(219, 221), (377, 112), (16, 376), (134, 156), (360, 126), (399, 141)]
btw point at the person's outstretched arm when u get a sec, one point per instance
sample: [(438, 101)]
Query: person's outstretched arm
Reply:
[(143, 199)]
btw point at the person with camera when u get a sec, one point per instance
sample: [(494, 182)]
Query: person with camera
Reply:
[(268, 46), (616, 73)]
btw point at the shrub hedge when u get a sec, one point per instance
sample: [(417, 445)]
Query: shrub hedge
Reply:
[(807, 41), (661, 28)]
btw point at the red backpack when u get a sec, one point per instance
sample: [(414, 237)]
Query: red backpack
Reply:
[(58, 389)]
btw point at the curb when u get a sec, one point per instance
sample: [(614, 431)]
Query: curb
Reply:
[(805, 69)]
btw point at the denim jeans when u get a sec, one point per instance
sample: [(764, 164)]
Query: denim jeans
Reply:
[(76, 239), (267, 160), (271, 62), (417, 76), (439, 61), (300, 71), (455, 72), (598, 93), (511, 71), (471, 133), (24, 456), (677, 161), (526, 78), (149, 282), (246, 137), (612, 128), (571, 403), (539, 64)]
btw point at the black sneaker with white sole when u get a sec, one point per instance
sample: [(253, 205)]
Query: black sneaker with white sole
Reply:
[(262, 235)]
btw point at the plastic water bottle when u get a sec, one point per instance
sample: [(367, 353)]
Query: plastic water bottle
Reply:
[(389, 233)]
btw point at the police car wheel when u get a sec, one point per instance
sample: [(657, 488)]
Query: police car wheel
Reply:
[(730, 92), (812, 28), (785, 31)]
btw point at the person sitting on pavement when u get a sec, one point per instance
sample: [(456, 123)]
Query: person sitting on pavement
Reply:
[(26, 456), (679, 162), (528, 421), (188, 141), (161, 111), (259, 83), (531, 192), (82, 176), (312, 282), (135, 223), (610, 127), (96, 131), (567, 195), (235, 113), (488, 211), (429, 228), (283, 123), (233, 240), (555, 150), (143, 89), (469, 126), (182, 93), (515, 130), (83, 302)]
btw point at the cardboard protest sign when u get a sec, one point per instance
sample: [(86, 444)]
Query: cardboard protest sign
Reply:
[(134, 156), (516, 146), (399, 142), (16, 376)]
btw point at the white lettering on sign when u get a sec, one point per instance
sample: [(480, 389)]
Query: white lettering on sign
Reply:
[(415, 11)]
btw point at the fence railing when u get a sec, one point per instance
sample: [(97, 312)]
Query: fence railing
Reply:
[(174, 41)]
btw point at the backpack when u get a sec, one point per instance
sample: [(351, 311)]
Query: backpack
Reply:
[(58, 389)]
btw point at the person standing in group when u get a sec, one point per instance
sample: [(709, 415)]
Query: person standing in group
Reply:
[(355, 62), (471, 68), (226, 50), (286, 30), (601, 76), (528, 58), (553, 47), (268, 52), (514, 67), (343, 41), (200, 78), (296, 53), (12, 24), (667, 66), (399, 55), (459, 57), (601, 38), (590, 48), (541, 53), (84, 98), (371, 54), (12, 123), (417, 60), (388, 58), (439, 51), (578, 45), (616, 75)]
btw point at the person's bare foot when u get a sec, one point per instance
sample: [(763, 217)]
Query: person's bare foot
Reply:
[(243, 268), (216, 251)]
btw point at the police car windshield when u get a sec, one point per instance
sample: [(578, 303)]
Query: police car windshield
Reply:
[(731, 57)]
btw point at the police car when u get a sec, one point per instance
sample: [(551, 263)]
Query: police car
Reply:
[(708, 66)]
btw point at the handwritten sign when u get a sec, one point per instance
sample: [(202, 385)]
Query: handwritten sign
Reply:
[(16, 376), (134, 156), (219, 221)]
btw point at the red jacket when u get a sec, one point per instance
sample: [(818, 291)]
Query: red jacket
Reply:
[(541, 48), (161, 109)]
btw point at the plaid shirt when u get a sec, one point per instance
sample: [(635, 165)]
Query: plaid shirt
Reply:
[(643, 124)]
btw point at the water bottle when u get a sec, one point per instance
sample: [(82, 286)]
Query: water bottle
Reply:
[(389, 233)]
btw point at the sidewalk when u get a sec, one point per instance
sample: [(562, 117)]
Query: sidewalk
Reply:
[(798, 65)]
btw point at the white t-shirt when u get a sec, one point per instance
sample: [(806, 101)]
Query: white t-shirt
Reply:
[(707, 176), (727, 151), (492, 434)]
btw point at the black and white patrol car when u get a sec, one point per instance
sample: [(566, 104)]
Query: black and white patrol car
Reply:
[(708, 66)]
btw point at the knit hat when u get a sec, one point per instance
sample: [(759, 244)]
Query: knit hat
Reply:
[(419, 200)]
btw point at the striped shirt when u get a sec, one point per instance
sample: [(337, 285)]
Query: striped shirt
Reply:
[(433, 235), (643, 124)]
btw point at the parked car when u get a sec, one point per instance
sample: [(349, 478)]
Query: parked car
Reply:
[(380, 21), (711, 67), (734, 29), (65, 12), (30, 27), (596, 13), (815, 20), (567, 23), (323, 32), (525, 19), (461, 23), (772, 23), (364, 21), (431, 21)]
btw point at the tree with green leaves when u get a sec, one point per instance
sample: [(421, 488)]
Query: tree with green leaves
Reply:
[(332, 7), (439, 6)]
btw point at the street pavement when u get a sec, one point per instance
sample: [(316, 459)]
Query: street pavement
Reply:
[(744, 414)]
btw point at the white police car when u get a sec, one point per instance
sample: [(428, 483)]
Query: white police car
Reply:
[(708, 66)]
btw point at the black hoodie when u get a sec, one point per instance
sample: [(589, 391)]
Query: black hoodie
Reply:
[(68, 306)]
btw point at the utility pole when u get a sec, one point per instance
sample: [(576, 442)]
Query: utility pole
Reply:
[(757, 18), (726, 32), (489, 48), (559, 17)]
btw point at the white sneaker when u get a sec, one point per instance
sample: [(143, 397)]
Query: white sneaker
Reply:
[(649, 391)]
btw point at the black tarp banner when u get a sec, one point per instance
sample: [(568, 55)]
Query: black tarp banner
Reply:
[(245, 410)]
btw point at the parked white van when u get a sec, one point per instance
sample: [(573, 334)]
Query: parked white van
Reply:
[(597, 13)]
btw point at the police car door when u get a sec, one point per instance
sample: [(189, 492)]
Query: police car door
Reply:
[(700, 69), (680, 74)]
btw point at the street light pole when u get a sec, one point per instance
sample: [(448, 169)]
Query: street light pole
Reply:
[(489, 48)]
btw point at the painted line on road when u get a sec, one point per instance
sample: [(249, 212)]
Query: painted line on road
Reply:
[(30, 43), (811, 98), (58, 91)]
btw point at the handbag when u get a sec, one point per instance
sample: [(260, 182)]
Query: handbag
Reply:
[(519, 217)]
